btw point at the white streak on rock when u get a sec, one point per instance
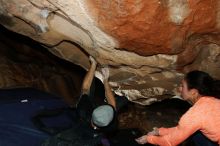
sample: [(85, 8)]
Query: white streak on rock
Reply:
[(178, 10), (131, 94), (44, 13), (146, 95)]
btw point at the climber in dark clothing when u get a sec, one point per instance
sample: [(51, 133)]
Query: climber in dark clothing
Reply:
[(93, 123), (101, 117)]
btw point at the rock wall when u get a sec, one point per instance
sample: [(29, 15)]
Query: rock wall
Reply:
[(25, 63), (148, 44)]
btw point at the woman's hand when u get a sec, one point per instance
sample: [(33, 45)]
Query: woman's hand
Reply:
[(142, 139), (155, 132)]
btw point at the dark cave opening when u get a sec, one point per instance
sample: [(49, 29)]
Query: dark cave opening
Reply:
[(31, 65)]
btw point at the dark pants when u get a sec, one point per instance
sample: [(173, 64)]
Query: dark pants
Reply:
[(200, 140)]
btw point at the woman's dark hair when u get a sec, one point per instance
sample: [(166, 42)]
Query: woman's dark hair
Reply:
[(203, 82)]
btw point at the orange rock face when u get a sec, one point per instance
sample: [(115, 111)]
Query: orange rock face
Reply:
[(149, 27)]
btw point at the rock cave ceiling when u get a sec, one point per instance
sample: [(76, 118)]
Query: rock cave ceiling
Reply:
[(147, 44)]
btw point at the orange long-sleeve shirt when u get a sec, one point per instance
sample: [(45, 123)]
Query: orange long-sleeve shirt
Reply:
[(204, 115)]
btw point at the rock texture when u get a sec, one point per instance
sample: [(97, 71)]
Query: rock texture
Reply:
[(148, 44), (25, 63)]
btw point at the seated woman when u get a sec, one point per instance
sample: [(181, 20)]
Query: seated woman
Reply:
[(202, 120)]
